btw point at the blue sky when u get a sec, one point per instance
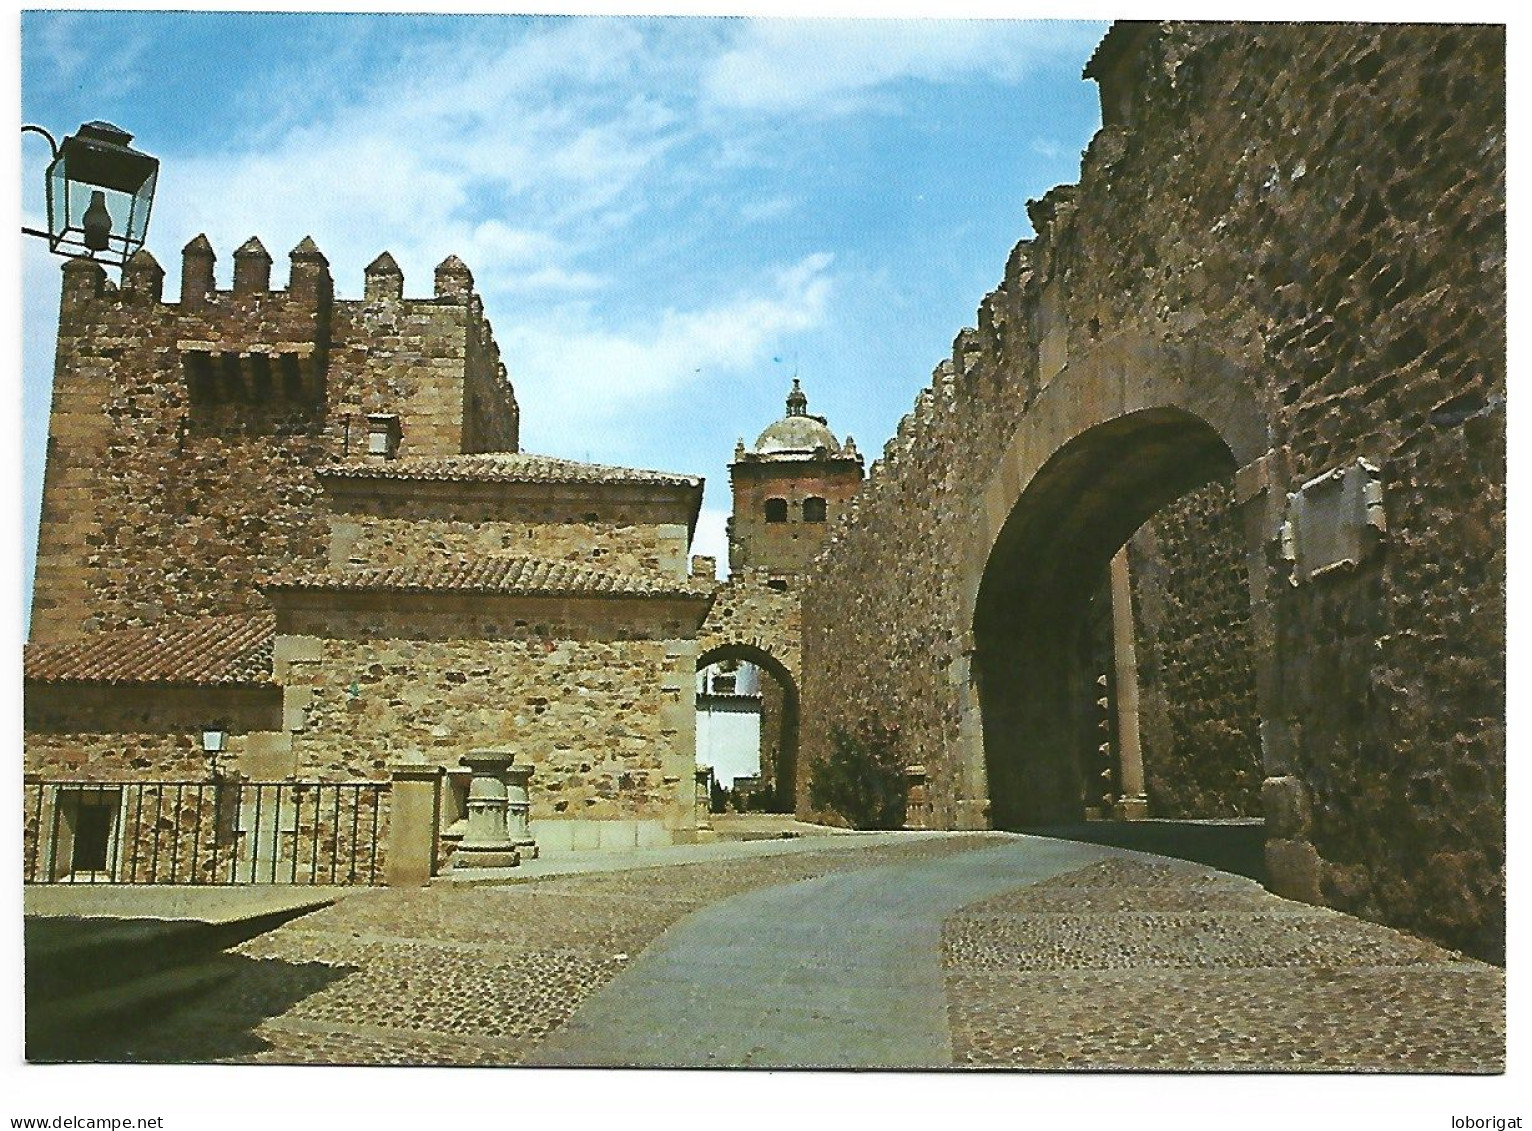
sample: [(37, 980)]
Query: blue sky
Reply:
[(654, 209)]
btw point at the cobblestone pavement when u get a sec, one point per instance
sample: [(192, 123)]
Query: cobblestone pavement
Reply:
[(440, 976), (1128, 964), (1120, 963)]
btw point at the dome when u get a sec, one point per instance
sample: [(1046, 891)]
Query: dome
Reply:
[(797, 433)]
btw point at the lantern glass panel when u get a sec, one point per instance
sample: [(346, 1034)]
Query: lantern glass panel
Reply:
[(124, 178)]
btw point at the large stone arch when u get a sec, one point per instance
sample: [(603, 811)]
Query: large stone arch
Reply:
[(1115, 435)]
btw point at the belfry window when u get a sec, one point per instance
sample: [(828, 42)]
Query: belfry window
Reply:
[(814, 510), (776, 510)]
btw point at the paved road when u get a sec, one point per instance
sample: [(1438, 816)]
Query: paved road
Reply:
[(842, 971)]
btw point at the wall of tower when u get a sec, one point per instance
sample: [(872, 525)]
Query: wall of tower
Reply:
[(1198, 721), (785, 547), (183, 436)]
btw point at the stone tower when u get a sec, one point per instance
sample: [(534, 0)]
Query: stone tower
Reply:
[(787, 489)]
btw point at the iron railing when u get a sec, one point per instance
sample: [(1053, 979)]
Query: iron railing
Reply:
[(204, 832)]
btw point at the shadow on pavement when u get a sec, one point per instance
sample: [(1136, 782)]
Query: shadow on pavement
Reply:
[(1236, 846)]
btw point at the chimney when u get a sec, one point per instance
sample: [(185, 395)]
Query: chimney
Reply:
[(383, 435)]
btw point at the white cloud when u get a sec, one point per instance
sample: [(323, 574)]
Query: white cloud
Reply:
[(578, 381), (835, 66)]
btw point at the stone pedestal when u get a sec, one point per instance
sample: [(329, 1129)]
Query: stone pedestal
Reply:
[(1131, 808), (518, 809), (487, 840)]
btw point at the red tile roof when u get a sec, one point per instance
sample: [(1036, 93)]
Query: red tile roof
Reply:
[(517, 576), (503, 467), (230, 650)]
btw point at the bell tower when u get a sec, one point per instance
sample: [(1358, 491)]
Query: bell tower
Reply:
[(787, 488)]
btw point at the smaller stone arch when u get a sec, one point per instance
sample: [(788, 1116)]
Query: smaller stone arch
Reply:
[(780, 764), (751, 619)]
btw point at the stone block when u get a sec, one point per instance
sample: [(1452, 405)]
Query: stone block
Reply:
[(1293, 870), (1285, 801)]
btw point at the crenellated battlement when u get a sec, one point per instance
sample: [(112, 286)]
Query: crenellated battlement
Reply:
[(192, 426)]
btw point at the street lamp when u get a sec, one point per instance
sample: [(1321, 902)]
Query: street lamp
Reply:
[(99, 194), (213, 739)]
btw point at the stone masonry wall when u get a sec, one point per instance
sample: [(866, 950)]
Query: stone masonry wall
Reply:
[(183, 435), (598, 700), (384, 530), (118, 733), (1198, 722), (1322, 208)]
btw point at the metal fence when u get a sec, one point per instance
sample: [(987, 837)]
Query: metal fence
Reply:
[(204, 832)]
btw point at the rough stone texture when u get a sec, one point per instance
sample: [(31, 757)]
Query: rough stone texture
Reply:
[(104, 733), (750, 621), (1197, 715), (1128, 965), (1285, 251), (183, 436), (597, 713), (382, 532)]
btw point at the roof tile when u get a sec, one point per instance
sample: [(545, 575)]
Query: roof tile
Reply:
[(516, 576), (503, 467), (199, 651)]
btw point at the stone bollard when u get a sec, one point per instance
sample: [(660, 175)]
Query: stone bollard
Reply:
[(518, 810), (487, 841), (414, 817)]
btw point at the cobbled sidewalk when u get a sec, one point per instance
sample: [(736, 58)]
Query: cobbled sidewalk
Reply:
[(1127, 964)]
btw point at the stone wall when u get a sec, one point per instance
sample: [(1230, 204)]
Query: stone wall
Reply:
[(597, 696), (384, 527), (183, 436), (119, 732), (1198, 720), (756, 617), (1285, 252), (174, 820)]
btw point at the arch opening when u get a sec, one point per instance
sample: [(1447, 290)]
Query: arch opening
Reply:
[(747, 727), (1055, 628)]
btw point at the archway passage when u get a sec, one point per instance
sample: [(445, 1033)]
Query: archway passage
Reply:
[(1044, 605), (778, 707)]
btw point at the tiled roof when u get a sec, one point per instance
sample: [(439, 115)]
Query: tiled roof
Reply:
[(503, 467), (517, 576), (201, 650)]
